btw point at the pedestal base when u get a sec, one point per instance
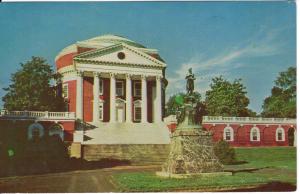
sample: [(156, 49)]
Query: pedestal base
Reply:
[(191, 153)]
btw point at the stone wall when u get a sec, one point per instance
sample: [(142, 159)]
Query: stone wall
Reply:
[(138, 154)]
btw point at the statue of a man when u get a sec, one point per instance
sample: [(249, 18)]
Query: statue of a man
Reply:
[(190, 82)]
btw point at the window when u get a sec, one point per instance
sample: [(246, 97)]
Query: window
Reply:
[(137, 111), (65, 91), (101, 86), (137, 89), (101, 111), (254, 134), (119, 88), (228, 134), (280, 134)]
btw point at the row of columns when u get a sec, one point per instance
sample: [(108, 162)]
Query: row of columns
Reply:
[(79, 98)]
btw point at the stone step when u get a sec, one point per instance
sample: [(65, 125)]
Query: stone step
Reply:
[(128, 133), (136, 154)]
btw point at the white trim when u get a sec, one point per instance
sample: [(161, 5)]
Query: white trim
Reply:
[(101, 86), (251, 133), (134, 88), (230, 129), (122, 93), (109, 68), (283, 134)]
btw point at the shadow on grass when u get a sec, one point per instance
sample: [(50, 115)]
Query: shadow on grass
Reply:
[(269, 187), (239, 162), (49, 155)]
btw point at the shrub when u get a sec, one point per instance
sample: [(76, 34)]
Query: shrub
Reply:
[(224, 152)]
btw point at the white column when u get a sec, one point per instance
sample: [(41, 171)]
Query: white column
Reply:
[(96, 98), (158, 113), (79, 95), (112, 98), (128, 99), (144, 99)]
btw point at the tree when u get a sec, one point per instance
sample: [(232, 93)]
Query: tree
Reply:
[(31, 88), (227, 99), (173, 105), (282, 102)]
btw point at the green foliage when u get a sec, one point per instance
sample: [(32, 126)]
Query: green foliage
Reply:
[(31, 88), (227, 99), (175, 102), (282, 102), (224, 152)]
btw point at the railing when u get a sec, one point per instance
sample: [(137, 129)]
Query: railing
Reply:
[(220, 119), (37, 115)]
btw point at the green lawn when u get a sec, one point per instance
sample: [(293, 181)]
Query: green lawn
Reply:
[(273, 164)]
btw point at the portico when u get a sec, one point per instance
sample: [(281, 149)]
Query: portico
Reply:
[(128, 99)]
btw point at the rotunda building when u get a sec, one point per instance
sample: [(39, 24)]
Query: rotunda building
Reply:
[(112, 79)]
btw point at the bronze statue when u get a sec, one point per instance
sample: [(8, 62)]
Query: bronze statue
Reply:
[(190, 82)]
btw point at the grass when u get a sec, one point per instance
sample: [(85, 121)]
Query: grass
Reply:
[(278, 163)]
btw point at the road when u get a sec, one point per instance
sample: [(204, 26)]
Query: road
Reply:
[(76, 181)]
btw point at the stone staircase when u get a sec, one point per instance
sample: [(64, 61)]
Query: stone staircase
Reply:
[(127, 133), (137, 142)]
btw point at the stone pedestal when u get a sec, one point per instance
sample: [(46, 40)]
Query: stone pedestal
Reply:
[(191, 153)]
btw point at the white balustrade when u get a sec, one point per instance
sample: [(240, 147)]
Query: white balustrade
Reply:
[(256, 120), (37, 115)]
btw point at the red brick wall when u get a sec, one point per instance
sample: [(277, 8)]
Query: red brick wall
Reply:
[(242, 134), (72, 95), (88, 99), (69, 128), (83, 49), (65, 60)]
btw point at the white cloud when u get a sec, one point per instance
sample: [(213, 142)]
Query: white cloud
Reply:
[(204, 67)]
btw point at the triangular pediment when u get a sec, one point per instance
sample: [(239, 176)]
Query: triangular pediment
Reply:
[(119, 54)]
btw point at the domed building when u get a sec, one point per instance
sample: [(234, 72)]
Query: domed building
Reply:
[(117, 86), (95, 69)]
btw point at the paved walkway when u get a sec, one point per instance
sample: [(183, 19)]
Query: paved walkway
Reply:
[(76, 181)]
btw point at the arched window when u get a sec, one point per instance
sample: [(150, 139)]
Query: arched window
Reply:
[(35, 130), (56, 129), (228, 134), (254, 134), (280, 136)]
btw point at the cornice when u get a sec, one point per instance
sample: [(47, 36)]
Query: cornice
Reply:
[(109, 63)]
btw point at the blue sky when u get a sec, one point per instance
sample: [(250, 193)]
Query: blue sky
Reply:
[(249, 40)]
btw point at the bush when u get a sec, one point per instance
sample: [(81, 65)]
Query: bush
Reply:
[(224, 152)]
